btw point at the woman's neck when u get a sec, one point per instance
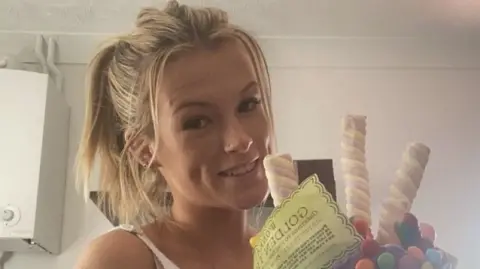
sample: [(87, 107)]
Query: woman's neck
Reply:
[(216, 227)]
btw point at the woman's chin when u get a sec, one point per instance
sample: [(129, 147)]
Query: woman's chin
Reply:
[(249, 204), (250, 198)]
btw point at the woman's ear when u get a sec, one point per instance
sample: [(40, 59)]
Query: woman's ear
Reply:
[(139, 147)]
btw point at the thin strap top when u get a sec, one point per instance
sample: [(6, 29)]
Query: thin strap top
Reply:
[(161, 261)]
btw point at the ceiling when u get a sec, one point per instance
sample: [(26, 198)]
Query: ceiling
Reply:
[(285, 18)]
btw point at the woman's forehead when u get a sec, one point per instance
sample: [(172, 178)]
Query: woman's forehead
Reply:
[(227, 67)]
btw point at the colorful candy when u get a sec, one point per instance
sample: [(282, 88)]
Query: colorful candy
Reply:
[(396, 250), (386, 260), (410, 220), (253, 240), (370, 248), (408, 231), (428, 232), (365, 264), (409, 262), (424, 244), (362, 227), (427, 265), (434, 256), (415, 252)]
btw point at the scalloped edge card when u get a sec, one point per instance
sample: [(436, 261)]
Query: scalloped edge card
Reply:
[(307, 230)]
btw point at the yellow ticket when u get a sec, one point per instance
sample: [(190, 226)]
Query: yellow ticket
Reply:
[(306, 231)]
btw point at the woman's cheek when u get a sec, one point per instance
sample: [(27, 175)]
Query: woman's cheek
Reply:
[(259, 127)]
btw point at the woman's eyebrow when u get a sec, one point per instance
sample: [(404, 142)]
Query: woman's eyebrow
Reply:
[(248, 87), (190, 104)]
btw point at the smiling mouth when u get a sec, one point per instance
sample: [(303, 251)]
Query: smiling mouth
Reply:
[(240, 170)]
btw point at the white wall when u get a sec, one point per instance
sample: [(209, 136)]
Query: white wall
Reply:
[(411, 90)]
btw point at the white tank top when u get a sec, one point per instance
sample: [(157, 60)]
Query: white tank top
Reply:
[(161, 261)]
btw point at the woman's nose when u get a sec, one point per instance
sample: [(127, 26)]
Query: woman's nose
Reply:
[(236, 138)]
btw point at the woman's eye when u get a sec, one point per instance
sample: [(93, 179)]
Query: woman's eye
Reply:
[(195, 123), (249, 104)]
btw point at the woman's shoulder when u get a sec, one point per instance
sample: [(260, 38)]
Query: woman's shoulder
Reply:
[(117, 249)]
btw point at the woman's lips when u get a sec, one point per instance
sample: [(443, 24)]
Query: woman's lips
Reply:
[(240, 170)]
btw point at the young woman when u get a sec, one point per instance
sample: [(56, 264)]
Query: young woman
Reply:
[(182, 102)]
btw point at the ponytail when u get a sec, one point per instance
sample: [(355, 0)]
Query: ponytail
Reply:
[(101, 133), (127, 188)]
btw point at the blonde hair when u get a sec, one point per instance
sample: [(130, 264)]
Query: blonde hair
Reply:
[(121, 99)]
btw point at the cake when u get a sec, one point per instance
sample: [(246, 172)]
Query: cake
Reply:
[(401, 242)]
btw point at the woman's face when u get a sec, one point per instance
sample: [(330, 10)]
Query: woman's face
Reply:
[(213, 131)]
